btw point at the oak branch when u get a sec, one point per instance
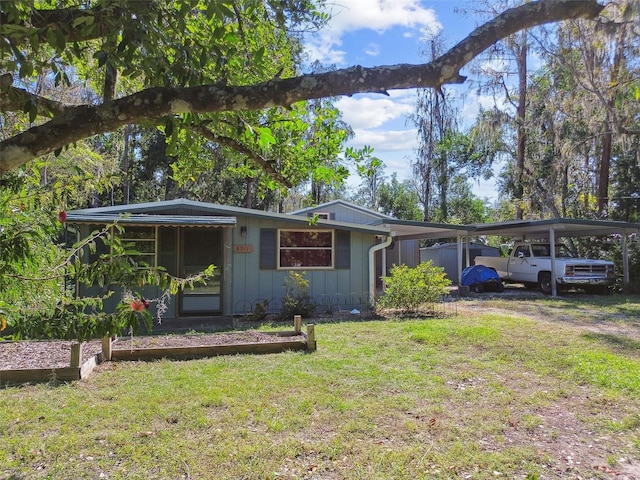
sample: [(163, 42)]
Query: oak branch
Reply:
[(77, 122)]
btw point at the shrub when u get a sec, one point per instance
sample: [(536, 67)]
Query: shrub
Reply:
[(410, 289), (297, 300)]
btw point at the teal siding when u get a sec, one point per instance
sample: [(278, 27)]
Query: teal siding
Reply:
[(252, 284), (245, 284)]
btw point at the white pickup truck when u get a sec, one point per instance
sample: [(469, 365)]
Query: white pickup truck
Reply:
[(530, 264)]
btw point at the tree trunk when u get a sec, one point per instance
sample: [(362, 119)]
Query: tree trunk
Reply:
[(249, 193), (126, 182), (521, 61), (603, 172)]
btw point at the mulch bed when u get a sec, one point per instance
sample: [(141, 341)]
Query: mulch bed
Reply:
[(199, 339), (29, 354), (33, 354)]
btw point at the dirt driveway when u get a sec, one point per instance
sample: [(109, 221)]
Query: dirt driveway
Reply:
[(605, 315), (563, 433)]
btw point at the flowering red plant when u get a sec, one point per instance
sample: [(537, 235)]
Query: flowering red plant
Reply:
[(138, 305), (62, 216)]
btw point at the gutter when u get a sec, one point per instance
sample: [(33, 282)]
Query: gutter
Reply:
[(372, 266)]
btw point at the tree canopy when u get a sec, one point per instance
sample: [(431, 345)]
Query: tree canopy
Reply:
[(162, 63)]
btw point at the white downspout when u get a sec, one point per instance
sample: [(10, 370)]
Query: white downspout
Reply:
[(372, 267)]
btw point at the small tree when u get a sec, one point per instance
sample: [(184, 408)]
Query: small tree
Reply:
[(410, 289), (38, 298)]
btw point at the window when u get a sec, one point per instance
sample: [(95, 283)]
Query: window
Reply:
[(540, 250), (143, 241), (305, 249)]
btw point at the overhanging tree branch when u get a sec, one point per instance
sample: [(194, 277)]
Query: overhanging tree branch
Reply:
[(153, 104), (233, 144), (15, 99)]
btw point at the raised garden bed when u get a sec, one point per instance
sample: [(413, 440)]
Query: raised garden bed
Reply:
[(47, 361), (199, 345), (64, 361)]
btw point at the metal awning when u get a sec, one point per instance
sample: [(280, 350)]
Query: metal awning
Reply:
[(147, 219), (562, 227), (408, 230)]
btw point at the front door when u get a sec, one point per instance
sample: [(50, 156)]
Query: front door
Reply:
[(199, 248)]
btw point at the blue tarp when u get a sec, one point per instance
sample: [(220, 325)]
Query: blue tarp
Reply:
[(478, 274)]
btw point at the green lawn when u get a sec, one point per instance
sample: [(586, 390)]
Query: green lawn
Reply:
[(483, 394)]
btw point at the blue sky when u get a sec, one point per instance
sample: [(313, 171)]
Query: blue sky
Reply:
[(386, 32)]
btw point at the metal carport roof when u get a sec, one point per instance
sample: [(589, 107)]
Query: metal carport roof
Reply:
[(563, 227), (407, 230)]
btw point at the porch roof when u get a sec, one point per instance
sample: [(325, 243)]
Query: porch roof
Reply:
[(146, 219), (191, 213)]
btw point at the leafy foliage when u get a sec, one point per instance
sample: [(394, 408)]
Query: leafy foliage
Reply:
[(399, 199), (410, 289), (296, 300), (100, 51), (40, 268)]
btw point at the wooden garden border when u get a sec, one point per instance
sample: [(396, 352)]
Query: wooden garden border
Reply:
[(77, 371), (155, 353)]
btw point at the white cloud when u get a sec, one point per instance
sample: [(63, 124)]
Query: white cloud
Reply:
[(473, 105), (326, 52), (386, 140), (363, 112), (373, 49), (377, 15)]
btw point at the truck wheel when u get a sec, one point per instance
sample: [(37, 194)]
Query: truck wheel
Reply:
[(544, 281), (478, 288), (500, 288)]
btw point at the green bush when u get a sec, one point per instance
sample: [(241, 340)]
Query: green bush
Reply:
[(411, 289), (297, 300)]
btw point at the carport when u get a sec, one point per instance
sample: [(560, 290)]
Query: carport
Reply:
[(558, 228), (415, 230)]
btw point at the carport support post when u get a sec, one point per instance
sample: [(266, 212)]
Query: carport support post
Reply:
[(552, 249), (625, 263), (467, 242), (459, 245)]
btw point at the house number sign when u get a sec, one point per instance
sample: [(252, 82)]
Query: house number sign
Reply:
[(243, 248)]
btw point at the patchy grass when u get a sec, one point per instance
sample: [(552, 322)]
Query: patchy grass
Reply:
[(486, 394)]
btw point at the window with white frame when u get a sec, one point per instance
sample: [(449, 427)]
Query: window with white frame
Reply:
[(305, 249)]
